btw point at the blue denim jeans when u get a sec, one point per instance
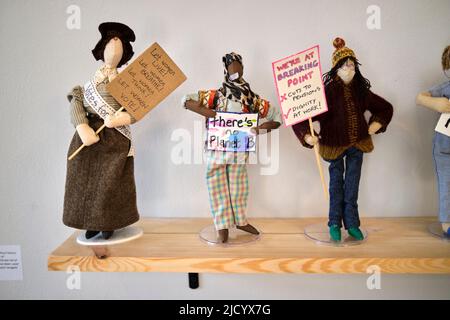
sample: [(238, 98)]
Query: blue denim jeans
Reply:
[(344, 187), (441, 156)]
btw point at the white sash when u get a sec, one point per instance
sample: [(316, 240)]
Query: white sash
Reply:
[(103, 109)]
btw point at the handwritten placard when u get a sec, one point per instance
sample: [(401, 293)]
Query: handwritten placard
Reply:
[(231, 132), (146, 82), (298, 79), (443, 125)]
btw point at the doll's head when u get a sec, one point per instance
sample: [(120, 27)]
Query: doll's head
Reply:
[(234, 68), (114, 48), (346, 67), (113, 52), (342, 56), (446, 61)]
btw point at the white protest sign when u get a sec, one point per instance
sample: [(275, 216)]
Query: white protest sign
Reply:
[(231, 132), (298, 79), (443, 125)]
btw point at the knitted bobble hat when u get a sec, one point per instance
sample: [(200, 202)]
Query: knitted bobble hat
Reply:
[(341, 51)]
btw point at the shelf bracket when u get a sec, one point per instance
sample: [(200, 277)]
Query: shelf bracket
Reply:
[(193, 280)]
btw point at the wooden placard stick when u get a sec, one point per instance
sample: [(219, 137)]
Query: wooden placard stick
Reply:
[(319, 165), (96, 132)]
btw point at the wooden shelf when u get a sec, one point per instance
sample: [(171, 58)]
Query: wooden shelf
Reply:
[(396, 245)]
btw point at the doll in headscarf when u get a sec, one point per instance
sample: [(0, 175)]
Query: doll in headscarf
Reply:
[(437, 99), (226, 174), (100, 193), (345, 136)]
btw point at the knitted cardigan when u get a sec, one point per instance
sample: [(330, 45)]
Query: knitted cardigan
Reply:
[(344, 124)]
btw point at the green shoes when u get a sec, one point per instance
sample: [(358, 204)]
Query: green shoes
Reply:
[(356, 233), (335, 233)]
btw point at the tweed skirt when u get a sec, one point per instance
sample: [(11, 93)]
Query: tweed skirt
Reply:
[(100, 191)]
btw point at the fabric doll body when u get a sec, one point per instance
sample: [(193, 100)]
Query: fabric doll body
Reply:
[(437, 99), (226, 174), (441, 156), (227, 171), (100, 191), (344, 138), (100, 187)]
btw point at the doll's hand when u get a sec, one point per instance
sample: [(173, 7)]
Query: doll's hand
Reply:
[(374, 127), (112, 77), (442, 104), (117, 120), (87, 134), (312, 141), (193, 104)]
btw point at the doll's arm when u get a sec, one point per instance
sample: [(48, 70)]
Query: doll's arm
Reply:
[(381, 111), (272, 117), (87, 134), (439, 104), (194, 103), (79, 119), (197, 107), (303, 134), (267, 127), (302, 130), (77, 110)]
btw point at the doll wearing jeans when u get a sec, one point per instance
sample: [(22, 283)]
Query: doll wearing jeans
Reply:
[(437, 99)]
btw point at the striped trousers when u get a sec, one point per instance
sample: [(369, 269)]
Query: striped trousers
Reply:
[(228, 192)]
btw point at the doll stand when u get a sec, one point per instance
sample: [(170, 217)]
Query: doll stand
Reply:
[(319, 233), (435, 229), (119, 236), (100, 246), (235, 237)]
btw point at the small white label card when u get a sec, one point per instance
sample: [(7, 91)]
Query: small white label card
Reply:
[(10, 263), (443, 125)]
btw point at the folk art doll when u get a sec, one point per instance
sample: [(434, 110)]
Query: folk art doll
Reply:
[(100, 191), (345, 136), (226, 175), (437, 99)]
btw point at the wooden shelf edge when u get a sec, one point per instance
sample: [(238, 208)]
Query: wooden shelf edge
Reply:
[(395, 246), (252, 265)]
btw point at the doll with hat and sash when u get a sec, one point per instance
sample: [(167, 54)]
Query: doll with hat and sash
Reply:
[(100, 191)]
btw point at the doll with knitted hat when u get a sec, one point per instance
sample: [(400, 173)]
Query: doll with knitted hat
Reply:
[(437, 99), (100, 191), (226, 174), (345, 135)]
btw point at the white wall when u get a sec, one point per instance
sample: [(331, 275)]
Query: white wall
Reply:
[(42, 59)]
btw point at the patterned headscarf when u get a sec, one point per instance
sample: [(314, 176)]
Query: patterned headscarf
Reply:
[(239, 88)]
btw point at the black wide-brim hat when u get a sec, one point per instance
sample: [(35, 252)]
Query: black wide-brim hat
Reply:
[(109, 30), (116, 29)]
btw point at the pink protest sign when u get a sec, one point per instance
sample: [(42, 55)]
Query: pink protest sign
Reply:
[(299, 86)]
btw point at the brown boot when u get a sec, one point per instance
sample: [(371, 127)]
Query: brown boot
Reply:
[(248, 228), (223, 235)]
